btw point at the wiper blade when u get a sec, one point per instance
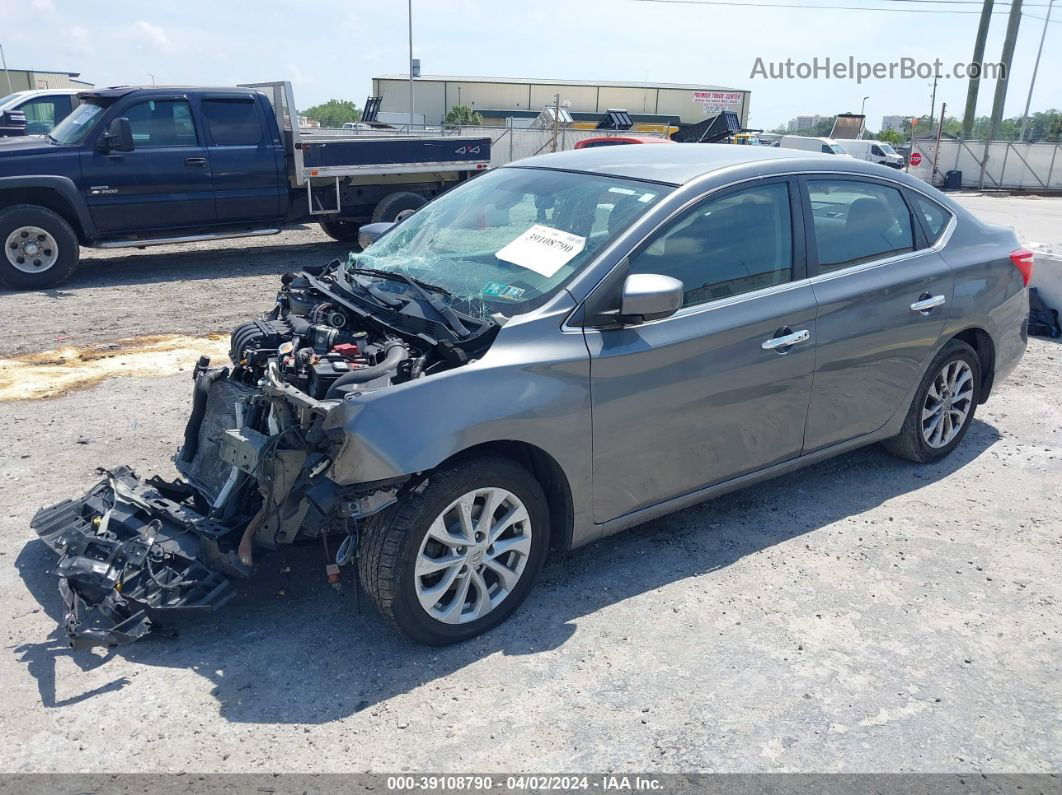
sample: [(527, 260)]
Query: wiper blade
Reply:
[(364, 291), (401, 277), (448, 315)]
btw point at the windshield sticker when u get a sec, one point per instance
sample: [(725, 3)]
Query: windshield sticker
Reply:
[(542, 249), (505, 291)]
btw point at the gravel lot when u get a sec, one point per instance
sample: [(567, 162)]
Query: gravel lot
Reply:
[(865, 614)]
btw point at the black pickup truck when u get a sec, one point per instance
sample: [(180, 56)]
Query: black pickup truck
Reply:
[(141, 166)]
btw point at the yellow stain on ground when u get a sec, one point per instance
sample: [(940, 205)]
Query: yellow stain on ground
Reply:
[(52, 373)]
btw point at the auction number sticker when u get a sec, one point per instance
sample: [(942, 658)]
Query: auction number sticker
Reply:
[(542, 249)]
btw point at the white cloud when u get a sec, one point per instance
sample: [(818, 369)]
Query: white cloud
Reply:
[(43, 5), (154, 36)]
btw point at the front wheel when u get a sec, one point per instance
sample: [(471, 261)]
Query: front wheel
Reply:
[(40, 247), (458, 555), (943, 407)]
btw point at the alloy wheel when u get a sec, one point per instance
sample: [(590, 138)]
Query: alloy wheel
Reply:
[(473, 555), (947, 404)]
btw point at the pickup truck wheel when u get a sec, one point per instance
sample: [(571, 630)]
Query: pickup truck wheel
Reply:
[(343, 231), (397, 206), (40, 247), (459, 554)]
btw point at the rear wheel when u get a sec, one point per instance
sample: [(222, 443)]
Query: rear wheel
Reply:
[(397, 206), (343, 231), (943, 407), (40, 247), (460, 554)]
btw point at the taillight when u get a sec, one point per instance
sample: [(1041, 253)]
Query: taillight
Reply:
[(1023, 261)]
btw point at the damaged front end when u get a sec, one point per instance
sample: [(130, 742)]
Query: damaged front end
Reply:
[(255, 461)]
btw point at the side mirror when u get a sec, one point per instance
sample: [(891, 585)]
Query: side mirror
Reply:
[(118, 138), (650, 296), (12, 122), (368, 234)]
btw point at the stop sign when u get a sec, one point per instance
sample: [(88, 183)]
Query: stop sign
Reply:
[(916, 158)]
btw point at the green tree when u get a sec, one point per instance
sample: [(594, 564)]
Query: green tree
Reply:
[(463, 114), (891, 137), (334, 113)]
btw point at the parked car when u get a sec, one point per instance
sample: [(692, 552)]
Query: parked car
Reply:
[(142, 166), (616, 140), (550, 353), (827, 146), (874, 152), (43, 109)]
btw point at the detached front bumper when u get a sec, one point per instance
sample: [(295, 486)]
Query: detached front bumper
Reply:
[(129, 558)]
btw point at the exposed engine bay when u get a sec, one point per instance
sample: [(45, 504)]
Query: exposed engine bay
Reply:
[(255, 459)]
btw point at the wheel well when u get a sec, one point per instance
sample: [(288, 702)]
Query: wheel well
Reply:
[(549, 475), (44, 197), (980, 341)]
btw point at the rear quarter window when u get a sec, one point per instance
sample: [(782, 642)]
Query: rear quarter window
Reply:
[(934, 217)]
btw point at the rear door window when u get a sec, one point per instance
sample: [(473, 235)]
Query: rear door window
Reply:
[(935, 218), (232, 122), (857, 221)]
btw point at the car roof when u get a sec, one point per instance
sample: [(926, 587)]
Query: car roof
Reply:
[(674, 165), (115, 92), (21, 96)]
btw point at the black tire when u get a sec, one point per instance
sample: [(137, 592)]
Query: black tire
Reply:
[(394, 204), (910, 443), (343, 231), (391, 543), (67, 256)]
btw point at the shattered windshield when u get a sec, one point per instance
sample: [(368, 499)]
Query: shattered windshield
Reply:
[(509, 238)]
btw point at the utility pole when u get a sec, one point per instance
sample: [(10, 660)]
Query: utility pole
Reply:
[(862, 112), (975, 80), (7, 74), (1006, 59), (1036, 68), (556, 121), (152, 78), (940, 131), (410, 16), (933, 98)]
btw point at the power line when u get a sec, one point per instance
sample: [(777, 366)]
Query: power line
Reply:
[(741, 3)]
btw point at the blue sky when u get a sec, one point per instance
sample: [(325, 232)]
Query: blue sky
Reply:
[(332, 48)]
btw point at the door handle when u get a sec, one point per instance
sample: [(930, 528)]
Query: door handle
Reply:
[(927, 302), (785, 340), (195, 162)]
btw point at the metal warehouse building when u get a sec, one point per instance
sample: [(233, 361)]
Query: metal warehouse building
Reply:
[(511, 101), (26, 79)]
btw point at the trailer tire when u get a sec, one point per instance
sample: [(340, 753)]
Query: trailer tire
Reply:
[(54, 252), (343, 231), (397, 206)]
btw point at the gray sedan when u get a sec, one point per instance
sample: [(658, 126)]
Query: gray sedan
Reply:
[(548, 354)]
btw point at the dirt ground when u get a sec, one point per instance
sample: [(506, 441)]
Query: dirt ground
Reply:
[(865, 614)]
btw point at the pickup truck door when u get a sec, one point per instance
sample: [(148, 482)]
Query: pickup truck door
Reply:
[(246, 159), (164, 184)]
